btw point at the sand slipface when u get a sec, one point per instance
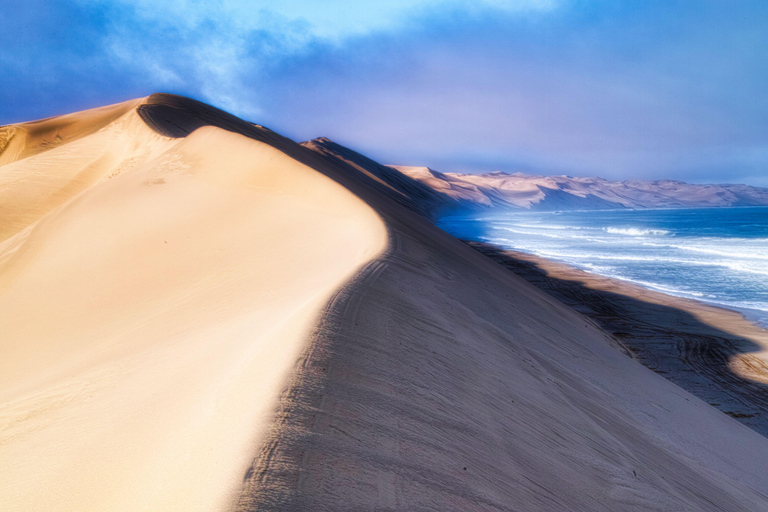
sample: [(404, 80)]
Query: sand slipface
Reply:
[(152, 313), (158, 317)]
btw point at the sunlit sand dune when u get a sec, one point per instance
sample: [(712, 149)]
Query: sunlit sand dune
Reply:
[(23, 140), (199, 314), (151, 313)]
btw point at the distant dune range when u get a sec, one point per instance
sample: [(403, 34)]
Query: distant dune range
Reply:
[(498, 189), (200, 314)]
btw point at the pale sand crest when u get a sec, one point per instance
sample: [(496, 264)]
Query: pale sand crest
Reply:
[(154, 318), (150, 315)]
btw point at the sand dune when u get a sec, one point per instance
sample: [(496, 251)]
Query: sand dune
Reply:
[(403, 189), (205, 272), (151, 316)]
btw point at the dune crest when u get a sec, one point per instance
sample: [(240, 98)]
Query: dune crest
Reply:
[(152, 314)]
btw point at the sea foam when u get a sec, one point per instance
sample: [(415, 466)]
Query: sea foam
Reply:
[(716, 254), (635, 231)]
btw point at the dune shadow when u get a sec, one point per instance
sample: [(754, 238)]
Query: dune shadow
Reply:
[(672, 342)]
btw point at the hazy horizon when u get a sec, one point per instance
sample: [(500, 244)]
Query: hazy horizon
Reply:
[(621, 90)]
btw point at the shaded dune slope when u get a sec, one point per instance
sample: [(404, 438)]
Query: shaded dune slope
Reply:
[(434, 360), (434, 379), (403, 189), (440, 381)]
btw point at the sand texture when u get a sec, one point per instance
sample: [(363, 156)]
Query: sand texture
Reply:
[(714, 353), (218, 318)]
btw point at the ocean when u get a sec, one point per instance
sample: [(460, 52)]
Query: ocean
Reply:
[(716, 255)]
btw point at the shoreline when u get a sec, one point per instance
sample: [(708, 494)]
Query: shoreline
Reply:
[(715, 353), (672, 257)]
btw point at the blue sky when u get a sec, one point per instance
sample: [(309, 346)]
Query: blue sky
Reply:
[(620, 89)]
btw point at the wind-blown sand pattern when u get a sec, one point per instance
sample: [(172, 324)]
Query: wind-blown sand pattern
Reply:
[(154, 321)]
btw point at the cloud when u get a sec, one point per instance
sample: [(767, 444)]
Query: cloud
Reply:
[(631, 88), (639, 89)]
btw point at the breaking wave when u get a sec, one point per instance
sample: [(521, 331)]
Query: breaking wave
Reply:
[(717, 254), (636, 231)]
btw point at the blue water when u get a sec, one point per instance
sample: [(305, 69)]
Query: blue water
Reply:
[(718, 255)]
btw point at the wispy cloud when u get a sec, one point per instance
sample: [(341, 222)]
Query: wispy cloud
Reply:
[(673, 88)]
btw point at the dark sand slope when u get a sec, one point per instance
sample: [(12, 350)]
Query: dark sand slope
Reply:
[(403, 189), (714, 353)]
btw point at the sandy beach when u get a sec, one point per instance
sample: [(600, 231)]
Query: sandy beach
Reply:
[(201, 314)]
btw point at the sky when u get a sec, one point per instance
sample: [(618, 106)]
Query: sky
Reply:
[(622, 89)]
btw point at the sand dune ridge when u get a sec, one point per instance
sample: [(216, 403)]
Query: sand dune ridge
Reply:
[(175, 276)]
